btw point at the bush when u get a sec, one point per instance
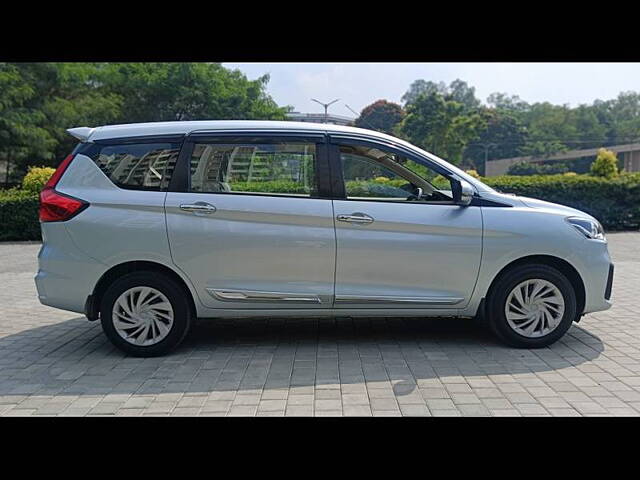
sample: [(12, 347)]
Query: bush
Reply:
[(605, 164), (614, 202), (36, 178), (19, 215), (473, 173)]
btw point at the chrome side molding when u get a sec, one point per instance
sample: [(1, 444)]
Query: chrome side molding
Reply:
[(355, 299), (227, 295)]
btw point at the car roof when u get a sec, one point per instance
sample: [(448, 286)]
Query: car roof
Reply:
[(186, 127)]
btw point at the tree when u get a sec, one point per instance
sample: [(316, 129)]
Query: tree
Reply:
[(458, 91), (39, 101), (625, 118), (506, 102), (381, 115), (420, 87), (21, 128), (503, 136), (189, 91), (549, 129), (440, 126), (462, 93)]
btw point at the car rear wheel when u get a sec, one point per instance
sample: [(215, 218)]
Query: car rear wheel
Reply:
[(145, 314), (531, 306)]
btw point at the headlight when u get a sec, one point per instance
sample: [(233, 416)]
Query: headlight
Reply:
[(589, 228)]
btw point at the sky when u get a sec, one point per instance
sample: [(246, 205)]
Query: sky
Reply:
[(359, 84)]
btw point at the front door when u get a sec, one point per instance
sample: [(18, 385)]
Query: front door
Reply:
[(251, 230), (401, 242)]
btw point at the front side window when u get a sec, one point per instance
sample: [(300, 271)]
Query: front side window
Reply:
[(269, 168), (373, 174), (144, 166)]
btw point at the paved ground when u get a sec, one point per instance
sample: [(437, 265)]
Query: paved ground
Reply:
[(57, 363)]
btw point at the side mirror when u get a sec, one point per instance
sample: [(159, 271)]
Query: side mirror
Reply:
[(462, 192)]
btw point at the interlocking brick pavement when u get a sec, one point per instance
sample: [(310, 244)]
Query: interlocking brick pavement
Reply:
[(57, 363)]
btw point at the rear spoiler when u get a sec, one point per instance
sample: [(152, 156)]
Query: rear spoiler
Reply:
[(81, 133)]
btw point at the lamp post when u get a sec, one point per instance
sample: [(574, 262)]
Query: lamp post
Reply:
[(326, 106)]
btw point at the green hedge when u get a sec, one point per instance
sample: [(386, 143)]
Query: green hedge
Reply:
[(19, 215), (615, 202)]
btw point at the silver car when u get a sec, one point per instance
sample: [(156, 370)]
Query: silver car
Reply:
[(148, 226)]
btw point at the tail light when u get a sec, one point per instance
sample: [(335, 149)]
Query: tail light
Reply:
[(56, 206)]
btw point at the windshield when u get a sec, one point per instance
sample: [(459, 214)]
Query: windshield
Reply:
[(472, 180)]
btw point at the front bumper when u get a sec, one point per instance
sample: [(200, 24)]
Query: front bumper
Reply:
[(609, 287)]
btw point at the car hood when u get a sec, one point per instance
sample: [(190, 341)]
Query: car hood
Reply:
[(528, 202), (554, 207)]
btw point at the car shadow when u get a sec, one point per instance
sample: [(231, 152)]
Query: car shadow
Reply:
[(74, 357)]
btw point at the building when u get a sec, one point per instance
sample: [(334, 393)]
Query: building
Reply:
[(320, 118), (629, 154)]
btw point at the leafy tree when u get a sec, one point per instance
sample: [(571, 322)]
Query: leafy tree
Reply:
[(503, 136), (605, 164), (590, 132), (39, 101), (189, 91), (506, 102), (548, 128), (423, 87), (625, 118), (381, 115), (22, 132), (440, 126), (457, 91)]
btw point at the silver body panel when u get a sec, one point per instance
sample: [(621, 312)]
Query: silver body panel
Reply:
[(254, 243), (260, 255), (430, 253)]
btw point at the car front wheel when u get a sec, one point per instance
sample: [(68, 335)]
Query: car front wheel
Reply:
[(531, 306)]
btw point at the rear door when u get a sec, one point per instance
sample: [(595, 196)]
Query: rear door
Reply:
[(248, 224)]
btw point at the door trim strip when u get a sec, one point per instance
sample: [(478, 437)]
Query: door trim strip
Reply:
[(355, 299), (229, 295)]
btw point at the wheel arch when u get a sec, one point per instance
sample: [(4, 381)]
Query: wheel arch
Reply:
[(92, 305), (558, 263)]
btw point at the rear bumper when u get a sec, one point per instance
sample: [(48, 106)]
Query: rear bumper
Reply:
[(66, 276)]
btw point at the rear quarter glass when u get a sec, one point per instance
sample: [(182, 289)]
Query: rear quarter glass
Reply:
[(135, 166)]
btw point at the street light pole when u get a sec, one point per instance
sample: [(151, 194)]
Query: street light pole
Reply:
[(326, 106)]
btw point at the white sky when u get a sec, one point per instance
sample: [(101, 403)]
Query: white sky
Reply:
[(359, 84)]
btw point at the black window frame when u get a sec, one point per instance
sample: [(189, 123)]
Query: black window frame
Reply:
[(339, 187), (181, 179)]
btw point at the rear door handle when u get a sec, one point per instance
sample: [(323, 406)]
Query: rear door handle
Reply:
[(198, 207), (357, 217)]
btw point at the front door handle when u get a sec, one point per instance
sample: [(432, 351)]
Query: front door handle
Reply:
[(198, 207), (357, 217)]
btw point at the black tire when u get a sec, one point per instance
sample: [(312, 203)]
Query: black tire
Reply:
[(175, 294), (497, 298)]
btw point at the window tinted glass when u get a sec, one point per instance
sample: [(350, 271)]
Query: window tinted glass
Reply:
[(370, 173), (145, 166), (271, 169)]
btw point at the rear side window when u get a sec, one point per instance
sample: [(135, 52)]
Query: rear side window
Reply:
[(286, 168), (142, 166)]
